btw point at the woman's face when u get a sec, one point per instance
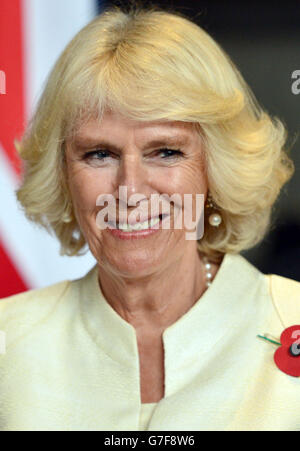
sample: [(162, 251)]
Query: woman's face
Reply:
[(122, 152)]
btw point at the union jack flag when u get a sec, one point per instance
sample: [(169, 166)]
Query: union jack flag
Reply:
[(32, 35)]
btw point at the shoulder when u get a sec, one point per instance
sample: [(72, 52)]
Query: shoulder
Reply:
[(18, 313), (33, 297), (285, 294)]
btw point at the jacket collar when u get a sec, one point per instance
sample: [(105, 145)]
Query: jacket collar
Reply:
[(195, 335)]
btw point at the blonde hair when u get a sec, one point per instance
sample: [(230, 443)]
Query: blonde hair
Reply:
[(152, 64)]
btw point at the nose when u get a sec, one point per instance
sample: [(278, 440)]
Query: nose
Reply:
[(132, 175)]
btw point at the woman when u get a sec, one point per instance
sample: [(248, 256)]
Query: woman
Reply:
[(162, 333)]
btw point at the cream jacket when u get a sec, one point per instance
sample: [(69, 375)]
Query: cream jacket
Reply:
[(71, 362)]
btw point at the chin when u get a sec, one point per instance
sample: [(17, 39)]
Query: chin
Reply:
[(136, 263)]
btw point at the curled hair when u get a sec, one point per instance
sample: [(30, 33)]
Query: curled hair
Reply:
[(152, 64)]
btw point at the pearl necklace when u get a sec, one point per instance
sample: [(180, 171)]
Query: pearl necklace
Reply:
[(208, 273)]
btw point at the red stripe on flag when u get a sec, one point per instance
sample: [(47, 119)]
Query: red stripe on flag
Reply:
[(10, 281), (12, 117), (12, 104)]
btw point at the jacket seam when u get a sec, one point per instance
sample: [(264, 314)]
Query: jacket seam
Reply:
[(274, 298)]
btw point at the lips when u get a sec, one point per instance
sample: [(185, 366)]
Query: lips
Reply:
[(133, 221)]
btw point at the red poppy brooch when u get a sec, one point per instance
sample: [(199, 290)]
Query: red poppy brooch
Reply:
[(287, 356)]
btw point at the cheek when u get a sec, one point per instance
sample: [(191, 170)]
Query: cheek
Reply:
[(85, 187), (185, 180)]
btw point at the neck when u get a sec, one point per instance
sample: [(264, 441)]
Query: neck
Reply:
[(155, 302)]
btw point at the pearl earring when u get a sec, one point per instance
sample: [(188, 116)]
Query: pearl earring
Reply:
[(67, 216), (214, 218)]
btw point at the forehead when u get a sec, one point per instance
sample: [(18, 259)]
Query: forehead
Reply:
[(115, 126)]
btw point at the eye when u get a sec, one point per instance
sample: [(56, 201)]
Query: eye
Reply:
[(98, 154), (170, 153), (101, 155)]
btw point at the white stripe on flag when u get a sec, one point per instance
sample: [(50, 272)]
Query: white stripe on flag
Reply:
[(49, 26)]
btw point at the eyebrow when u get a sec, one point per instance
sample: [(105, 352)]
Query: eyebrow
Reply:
[(84, 143)]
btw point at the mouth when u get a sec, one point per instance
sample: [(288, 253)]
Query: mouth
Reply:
[(143, 225)]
